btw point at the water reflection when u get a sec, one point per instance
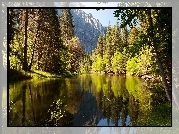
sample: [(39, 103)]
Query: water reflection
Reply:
[(84, 100)]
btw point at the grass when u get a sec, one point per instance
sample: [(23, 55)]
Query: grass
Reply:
[(159, 116), (42, 74), (16, 75)]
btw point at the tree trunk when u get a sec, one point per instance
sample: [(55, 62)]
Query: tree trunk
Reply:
[(162, 73), (35, 42), (25, 64), (161, 68)]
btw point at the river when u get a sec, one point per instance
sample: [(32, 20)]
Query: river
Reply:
[(87, 100)]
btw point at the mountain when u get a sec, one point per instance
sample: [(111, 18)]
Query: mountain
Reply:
[(87, 28)]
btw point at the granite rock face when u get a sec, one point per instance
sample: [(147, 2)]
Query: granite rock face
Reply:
[(87, 28)]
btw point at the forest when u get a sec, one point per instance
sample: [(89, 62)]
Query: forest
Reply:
[(41, 44)]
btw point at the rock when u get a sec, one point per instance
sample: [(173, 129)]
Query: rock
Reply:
[(87, 28)]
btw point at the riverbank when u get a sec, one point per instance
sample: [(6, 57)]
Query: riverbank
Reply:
[(156, 117), (18, 75), (145, 77)]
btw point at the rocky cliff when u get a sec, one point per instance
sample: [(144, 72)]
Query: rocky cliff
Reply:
[(87, 28)]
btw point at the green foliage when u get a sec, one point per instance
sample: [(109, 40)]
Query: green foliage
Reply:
[(156, 117), (143, 63), (112, 49), (133, 36), (119, 63), (119, 88), (85, 64), (15, 63), (131, 67), (42, 38), (75, 53), (100, 47), (40, 46), (156, 28), (98, 65)]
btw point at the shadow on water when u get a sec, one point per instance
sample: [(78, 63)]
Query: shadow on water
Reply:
[(87, 100)]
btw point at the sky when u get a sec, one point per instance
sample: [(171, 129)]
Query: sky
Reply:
[(104, 16)]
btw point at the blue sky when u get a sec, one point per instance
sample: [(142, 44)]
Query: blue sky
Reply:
[(104, 16)]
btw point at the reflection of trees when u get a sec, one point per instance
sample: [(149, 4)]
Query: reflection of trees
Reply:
[(17, 97), (124, 112), (58, 115), (140, 92), (31, 100), (85, 81), (99, 96), (92, 98), (133, 110), (158, 94), (74, 102), (111, 96), (23, 104), (117, 102), (116, 109), (74, 95), (143, 101), (139, 99), (64, 111)]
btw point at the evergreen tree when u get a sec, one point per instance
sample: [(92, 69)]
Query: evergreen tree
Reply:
[(133, 35), (108, 51), (13, 20), (75, 54), (119, 63), (53, 45), (66, 25), (38, 43), (116, 38), (99, 49), (85, 64), (124, 37)]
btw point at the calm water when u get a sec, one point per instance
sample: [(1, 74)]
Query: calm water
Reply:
[(84, 100)]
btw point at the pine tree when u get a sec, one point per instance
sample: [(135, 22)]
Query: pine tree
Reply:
[(124, 38), (133, 35), (53, 45), (99, 49), (108, 51), (116, 38), (66, 25), (75, 54)]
